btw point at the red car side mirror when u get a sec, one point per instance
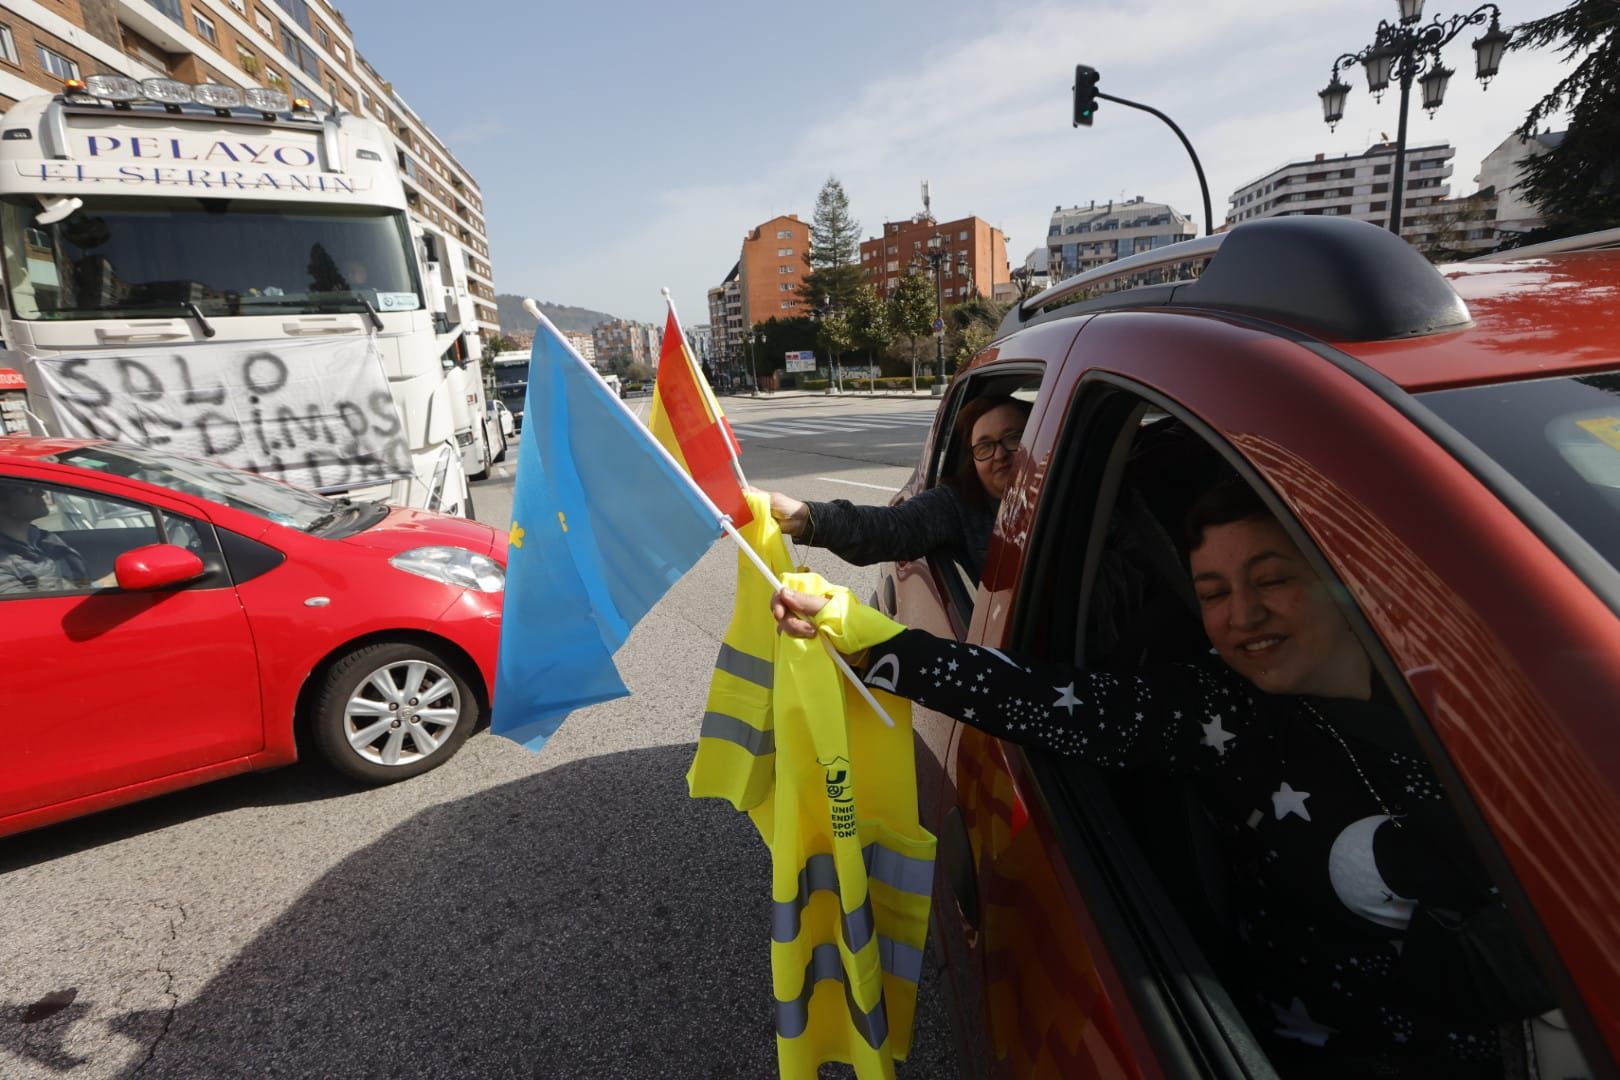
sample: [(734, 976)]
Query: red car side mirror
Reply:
[(156, 566)]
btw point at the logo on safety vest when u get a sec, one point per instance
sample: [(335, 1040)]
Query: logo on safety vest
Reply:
[(840, 796)]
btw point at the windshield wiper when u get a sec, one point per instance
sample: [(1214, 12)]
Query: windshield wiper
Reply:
[(325, 302), (344, 505), (196, 313)]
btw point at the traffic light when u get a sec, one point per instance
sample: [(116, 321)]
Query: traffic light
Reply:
[(1085, 94)]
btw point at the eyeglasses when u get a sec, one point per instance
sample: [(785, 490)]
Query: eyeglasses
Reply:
[(985, 449)]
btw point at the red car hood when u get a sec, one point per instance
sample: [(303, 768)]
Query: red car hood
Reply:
[(405, 528)]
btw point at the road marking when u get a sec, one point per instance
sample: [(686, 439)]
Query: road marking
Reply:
[(857, 483)]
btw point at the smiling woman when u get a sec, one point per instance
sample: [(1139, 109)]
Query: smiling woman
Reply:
[(1354, 900)]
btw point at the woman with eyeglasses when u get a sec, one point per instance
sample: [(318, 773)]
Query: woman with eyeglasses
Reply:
[(953, 518)]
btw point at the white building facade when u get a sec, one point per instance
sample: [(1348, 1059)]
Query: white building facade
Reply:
[(1356, 186)]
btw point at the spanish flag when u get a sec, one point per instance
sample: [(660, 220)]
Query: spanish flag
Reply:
[(687, 420)]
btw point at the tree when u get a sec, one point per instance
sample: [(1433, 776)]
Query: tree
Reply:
[(971, 325), (835, 271), (1576, 184), (911, 312), (501, 343), (869, 323), (837, 336)]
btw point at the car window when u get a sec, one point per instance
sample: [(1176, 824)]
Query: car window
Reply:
[(1107, 587), (1559, 437), (951, 463), (56, 540)]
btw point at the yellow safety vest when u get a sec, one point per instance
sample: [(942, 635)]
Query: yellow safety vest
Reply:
[(833, 793)]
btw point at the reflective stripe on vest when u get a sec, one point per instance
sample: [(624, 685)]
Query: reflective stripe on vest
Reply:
[(734, 661), (739, 732), (792, 1017), (820, 874)]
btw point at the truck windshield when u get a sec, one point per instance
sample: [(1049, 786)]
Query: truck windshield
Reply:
[(140, 257)]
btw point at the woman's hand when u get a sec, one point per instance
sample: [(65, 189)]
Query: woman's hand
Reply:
[(793, 611), (789, 513)]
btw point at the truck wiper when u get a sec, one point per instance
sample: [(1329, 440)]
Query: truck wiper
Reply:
[(196, 313), (327, 302)]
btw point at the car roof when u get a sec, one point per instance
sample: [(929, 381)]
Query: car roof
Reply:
[(1370, 294), (34, 447), (1531, 318)]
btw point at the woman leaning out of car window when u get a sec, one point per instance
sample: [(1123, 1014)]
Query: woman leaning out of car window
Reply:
[(1371, 941)]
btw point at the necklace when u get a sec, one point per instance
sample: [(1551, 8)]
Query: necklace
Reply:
[(1328, 729)]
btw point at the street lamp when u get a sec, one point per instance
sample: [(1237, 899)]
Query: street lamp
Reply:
[(937, 257), (1409, 52)]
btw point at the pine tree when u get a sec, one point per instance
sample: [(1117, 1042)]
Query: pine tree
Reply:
[(835, 271), (1576, 185)]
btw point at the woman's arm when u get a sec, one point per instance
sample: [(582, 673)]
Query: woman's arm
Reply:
[(864, 535), (1184, 717)]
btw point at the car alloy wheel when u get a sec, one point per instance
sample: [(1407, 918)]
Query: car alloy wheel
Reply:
[(392, 711)]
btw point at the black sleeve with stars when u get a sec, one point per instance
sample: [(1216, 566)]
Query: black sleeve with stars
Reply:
[(1180, 716)]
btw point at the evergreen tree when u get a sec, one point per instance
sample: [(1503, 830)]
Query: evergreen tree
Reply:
[(911, 312), (835, 271), (1576, 185)]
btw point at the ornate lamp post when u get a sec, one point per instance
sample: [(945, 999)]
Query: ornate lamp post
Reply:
[(1409, 52), (938, 257), (753, 337)]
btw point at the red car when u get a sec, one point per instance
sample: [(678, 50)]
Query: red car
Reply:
[(1444, 446), (169, 621)]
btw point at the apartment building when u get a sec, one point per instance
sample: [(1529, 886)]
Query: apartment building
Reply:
[(639, 343), (1354, 185), (302, 47), (725, 316), (584, 344), (773, 263), (1081, 237), (1494, 213), (971, 256)]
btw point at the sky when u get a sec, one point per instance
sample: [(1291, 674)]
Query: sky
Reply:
[(626, 146)]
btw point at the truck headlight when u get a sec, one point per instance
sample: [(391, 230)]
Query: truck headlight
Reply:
[(453, 566)]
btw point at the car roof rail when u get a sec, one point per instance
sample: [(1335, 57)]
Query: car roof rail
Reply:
[(1601, 240), (1342, 279)]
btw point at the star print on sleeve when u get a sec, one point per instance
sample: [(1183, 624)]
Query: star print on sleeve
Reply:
[(1285, 800), (1113, 720)]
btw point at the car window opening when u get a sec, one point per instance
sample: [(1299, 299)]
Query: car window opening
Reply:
[(1141, 609)]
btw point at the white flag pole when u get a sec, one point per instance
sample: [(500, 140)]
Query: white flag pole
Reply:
[(724, 520)]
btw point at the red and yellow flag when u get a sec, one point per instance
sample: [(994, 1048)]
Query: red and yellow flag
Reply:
[(687, 420)]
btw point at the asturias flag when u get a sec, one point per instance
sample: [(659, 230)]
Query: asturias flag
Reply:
[(686, 419), (603, 523)]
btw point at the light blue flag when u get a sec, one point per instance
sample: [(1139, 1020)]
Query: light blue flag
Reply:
[(603, 523)]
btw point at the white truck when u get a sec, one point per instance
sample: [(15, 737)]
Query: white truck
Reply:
[(480, 442), (227, 272)]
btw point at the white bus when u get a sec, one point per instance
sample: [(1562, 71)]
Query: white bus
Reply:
[(177, 256)]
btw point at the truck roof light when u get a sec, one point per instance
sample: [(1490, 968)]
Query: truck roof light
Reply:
[(218, 95), (76, 92), (166, 91), (113, 88), (300, 104), (265, 100)]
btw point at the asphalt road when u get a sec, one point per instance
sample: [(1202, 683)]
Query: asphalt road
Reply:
[(569, 913)]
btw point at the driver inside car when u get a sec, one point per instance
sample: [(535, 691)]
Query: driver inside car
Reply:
[(33, 559)]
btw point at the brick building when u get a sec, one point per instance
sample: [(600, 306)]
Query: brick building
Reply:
[(773, 263), (303, 47), (973, 256)]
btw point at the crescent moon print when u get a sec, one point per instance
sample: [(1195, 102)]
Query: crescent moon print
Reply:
[(885, 674), (1357, 882)]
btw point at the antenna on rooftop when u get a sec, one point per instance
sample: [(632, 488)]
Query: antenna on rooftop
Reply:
[(928, 210)]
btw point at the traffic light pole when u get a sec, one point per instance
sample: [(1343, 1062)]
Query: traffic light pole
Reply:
[(1209, 217)]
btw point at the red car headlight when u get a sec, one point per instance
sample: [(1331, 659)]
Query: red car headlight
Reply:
[(453, 566)]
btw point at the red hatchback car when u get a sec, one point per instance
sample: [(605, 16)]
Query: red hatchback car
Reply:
[(1444, 448), (169, 621)]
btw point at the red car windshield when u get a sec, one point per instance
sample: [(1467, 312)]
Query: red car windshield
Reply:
[(240, 490), (1558, 437)]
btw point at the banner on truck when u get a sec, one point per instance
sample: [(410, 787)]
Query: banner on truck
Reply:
[(317, 412)]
